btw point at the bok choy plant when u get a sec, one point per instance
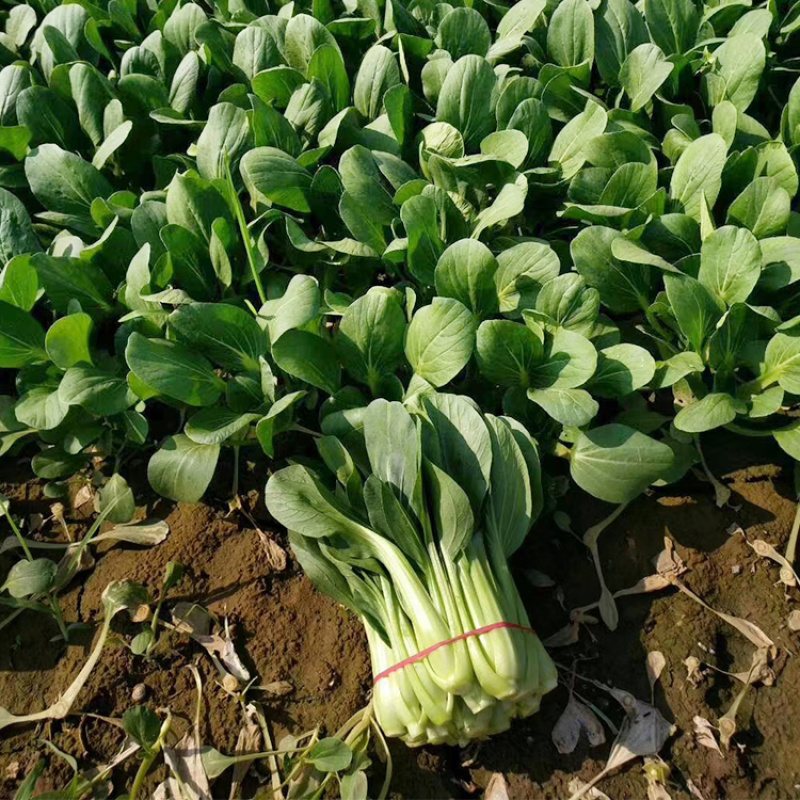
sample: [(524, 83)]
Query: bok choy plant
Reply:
[(412, 526)]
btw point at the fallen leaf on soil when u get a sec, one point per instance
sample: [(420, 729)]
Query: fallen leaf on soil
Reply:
[(643, 733), (694, 672), (690, 785), (83, 496), (793, 620), (668, 563), (575, 718), (497, 788), (656, 772), (564, 637), (193, 619), (744, 626), (576, 785), (655, 666), (765, 550), (275, 554), (249, 741), (538, 579), (278, 688), (704, 733), (184, 759)]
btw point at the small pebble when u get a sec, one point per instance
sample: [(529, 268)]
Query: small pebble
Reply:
[(736, 569), (794, 620), (139, 693)]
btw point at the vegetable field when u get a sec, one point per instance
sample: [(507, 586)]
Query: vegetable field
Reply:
[(399, 399)]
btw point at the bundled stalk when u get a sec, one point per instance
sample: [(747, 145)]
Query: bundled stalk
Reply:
[(413, 530)]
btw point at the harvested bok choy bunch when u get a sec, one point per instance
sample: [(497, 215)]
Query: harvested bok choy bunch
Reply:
[(414, 534)]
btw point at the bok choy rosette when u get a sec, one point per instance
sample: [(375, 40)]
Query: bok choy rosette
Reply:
[(412, 527)]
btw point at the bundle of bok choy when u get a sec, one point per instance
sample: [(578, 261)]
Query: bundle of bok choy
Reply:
[(413, 530)]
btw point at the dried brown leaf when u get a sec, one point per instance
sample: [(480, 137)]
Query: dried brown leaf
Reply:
[(765, 550), (704, 734), (564, 637), (643, 733), (83, 496), (690, 785), (576, 718), (497, 788), (278, 688), (576, 785), (694, 672), (193, 619), (744, 626), (248, 741), (274, 553), (655, 666)]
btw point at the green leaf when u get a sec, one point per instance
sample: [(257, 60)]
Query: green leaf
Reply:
[(740, 62), (377, 74), (330, 755), (440, 340), (227, 131), (623, 287), (568, 147), (17, 236), (570, 360), (226, 334), (573, 407), (644, 71), (507, 352), (216, 425), (464, 31), (616, 463), (508, 512), (712, 411), (673, 24), (22, 338), (522, 270), (26, 578), (370, 336), (182, 469), (272, 176), (465, 272), (763, 207), (97, 391), (143, 726), (68, 279), (621, 369), (695, 308), (67, 341), (782, 362), (699, 172), (730, 263), (303, 36), (619, 29), (452, 515), (19, 283), (63, 181), (173, 370), (116, 499), (194, 204), (467, 97), (570, 35), (308, 357)]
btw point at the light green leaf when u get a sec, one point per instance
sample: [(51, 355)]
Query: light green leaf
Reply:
[(440, 340), (616, 463), (182, 469), (712, 411)]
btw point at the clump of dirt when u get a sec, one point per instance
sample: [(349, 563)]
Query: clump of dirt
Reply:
[(286, 631)]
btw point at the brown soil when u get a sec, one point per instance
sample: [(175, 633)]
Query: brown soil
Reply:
[(287, 631)]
